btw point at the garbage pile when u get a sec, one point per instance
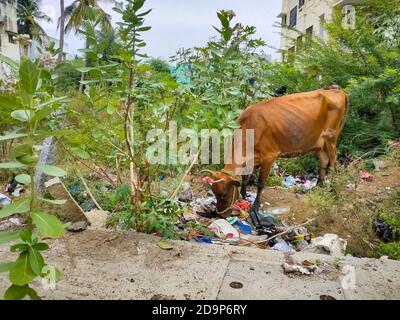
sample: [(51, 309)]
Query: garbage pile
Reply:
[(246, 227), (304, 183)]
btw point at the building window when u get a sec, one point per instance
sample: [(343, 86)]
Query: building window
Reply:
[(299, 43), (322, 26), (301, 3), (10, 38), (284, 20), (293, 17), (310, 31), (309, 35)]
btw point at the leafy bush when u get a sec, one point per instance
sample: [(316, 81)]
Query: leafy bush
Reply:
[(299, 166), (392, 250)]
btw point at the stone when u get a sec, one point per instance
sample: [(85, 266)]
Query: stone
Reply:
[(78, 226), (71, 210), (379, 164), (97, 218)]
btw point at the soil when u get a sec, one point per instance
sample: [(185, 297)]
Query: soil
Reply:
[(351, 225)]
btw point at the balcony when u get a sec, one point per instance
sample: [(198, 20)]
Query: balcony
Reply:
[(342, 3)]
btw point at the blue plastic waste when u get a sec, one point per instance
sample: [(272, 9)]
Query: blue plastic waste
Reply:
[(289, 181), (204, 240), (246, 229)]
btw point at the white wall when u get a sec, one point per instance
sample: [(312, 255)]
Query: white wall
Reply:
[(308, 15), (8, 28)]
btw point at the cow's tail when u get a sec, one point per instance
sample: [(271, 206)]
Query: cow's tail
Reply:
[(346, 112)]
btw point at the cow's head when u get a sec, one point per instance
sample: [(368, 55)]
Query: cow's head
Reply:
[(226, 190)]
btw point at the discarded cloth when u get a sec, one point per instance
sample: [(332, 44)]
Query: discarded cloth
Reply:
[(366, 176), (282, 246), (223, 229), (328, 244), (4, 200)]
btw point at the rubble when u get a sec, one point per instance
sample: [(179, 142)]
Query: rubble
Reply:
[(328, 244)]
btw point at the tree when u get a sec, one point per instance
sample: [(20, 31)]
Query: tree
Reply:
[(29, 18), (62, 31), (75, 14), (366, 64)]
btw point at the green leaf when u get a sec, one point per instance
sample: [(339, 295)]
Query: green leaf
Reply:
[(7, 236), (21, 272), (85, 69), (164, 245), (14, 65), (23, 178), (80, 153), (21, 150), (41, 246), (9, 102), (19, 247), (13, 135), (22, 115), (29, 76), (58, 202), (6, 266), (43, 113), (26, 99), (36, 261), (26, 235), (20, 206), (48, 224), (53, 101), (142, 29), (11, 165), (111, 108), (19, 292), (51, 170)]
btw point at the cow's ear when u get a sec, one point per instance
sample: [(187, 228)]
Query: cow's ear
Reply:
[(236, 183)]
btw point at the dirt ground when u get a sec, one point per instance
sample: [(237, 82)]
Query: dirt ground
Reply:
[(353, 218), (350, 223)]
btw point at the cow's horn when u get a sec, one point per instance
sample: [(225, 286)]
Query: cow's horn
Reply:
[(207, 171)]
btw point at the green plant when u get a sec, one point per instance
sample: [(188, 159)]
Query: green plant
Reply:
[(273, 181), (299, 166), (392, 250), (32, 107)]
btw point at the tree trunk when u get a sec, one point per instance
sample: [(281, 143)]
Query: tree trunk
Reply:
[(62, 32), (81, 86)]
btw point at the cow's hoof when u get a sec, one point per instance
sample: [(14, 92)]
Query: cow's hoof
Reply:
[(320, 183)]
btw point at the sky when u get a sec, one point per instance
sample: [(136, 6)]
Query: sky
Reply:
[(185, 23)]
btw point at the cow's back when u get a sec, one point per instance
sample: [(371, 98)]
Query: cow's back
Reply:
[(291, 124)]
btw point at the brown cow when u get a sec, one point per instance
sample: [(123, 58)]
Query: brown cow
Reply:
[(287, 126)]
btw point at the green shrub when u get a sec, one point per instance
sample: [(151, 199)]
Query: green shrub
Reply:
[(392, 250), (299, 166)]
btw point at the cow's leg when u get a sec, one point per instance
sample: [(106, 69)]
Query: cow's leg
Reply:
[(264, 172), (323, 165), (332, 154), (245, 180)]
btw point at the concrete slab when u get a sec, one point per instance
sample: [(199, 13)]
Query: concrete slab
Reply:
[(98, 264)]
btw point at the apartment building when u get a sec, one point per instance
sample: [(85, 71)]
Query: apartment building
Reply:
[(8, 29), (308, 17)]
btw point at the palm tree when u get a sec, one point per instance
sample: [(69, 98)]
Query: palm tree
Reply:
[(29, 17), (62, 31), (75, 14)]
